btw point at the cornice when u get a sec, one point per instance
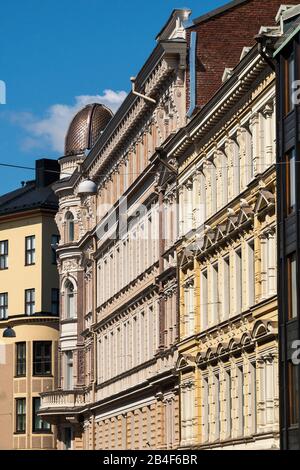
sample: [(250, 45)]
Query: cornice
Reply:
[(228, 95), (166, 57)]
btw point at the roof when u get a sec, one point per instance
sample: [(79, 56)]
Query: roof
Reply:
[(182, 13), (27, 198), (218, 11), (291, 28), (85, 128)]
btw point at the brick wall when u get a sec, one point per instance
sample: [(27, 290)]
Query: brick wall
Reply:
[(221, 39)]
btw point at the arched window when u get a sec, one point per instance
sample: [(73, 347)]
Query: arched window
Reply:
[(70, 226), (70, 300)]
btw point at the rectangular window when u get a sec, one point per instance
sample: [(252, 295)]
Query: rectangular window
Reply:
[(29, 301), (3, 305), (217, 407), (69, 370), (253, 397), (293, 394), (30, 250), (4, 254), (55, 301), (228, 386), (239, 281), (241, 400), (215, 295), (20, 359), (292, 287), (42, 353), (206, 411), (291, 182), (38, 425), (54, 243), (226, 286), (251, 274), (20, 415), (289, 83), (203, 300)]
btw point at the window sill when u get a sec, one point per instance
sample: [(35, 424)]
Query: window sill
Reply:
[(42, 432), (49, 376)]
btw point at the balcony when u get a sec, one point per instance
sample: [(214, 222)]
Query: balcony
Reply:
[(62, 402)]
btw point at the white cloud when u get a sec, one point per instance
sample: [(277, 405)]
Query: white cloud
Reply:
[(49, 131)]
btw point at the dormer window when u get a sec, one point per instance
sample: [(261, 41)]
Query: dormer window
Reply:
[(70, 227)]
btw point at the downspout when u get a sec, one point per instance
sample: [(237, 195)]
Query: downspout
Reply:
[(144, 97), (192, 70), (94, 319)]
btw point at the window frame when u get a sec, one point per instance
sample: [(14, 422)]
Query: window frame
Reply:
[(4, 306), (70, 224), (31, 251), (29, 303), (70, 313), (20, 362), (22, 416), (45, 427), (290, 291), (289, 106), (4, 255), (293, 414), (42, 362), (291, 182), (55, 301)]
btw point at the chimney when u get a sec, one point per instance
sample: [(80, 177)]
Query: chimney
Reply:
[(46, 172)]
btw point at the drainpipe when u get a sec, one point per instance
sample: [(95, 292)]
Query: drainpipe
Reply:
[(144, 97)]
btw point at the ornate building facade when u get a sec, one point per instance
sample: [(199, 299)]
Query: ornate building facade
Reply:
[(168, 329), (117, 269), (228, 348)]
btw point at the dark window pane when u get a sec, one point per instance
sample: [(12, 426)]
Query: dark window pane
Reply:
[(21, 359), (21, 415), (55, 301), (38, 425), (292, 287), (42, 357), (293, 394)]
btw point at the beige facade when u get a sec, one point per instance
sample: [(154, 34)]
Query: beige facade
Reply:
[(117, 385), (228, 348), (23, 374)]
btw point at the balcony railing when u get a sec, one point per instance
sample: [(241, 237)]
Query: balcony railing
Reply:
[(62, 399)]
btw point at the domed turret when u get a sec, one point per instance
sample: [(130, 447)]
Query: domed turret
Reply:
[(86, 127)]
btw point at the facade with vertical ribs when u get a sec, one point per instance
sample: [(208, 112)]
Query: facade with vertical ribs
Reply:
[(117, 267), (137, 342), (227, 254)]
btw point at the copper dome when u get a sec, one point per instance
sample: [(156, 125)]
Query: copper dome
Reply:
[(86, 127)]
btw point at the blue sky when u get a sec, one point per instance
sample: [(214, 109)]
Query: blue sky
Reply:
[(56, 55)]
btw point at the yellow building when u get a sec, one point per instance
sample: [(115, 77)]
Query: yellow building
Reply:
[(228, 347), (29, 309)]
